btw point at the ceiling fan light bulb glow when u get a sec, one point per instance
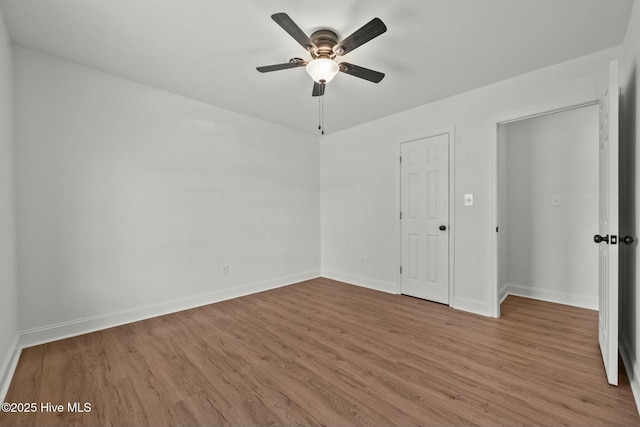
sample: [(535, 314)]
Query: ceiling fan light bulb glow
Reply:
[(322, 70)]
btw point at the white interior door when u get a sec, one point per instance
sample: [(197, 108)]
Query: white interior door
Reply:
[(608, 237), (424, 218)]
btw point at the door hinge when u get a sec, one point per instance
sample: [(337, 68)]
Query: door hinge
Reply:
[(400, 214), (400, 269), (496, 229), (400, 159)]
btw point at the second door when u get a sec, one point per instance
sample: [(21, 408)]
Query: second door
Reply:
[(424, 224)]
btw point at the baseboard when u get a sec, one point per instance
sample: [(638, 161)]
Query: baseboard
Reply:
[(504, 293), (632, 368), (476, 307), (472, 306), (8, 367), (72, 328), (361, 281), (503, 296), (551, 295)]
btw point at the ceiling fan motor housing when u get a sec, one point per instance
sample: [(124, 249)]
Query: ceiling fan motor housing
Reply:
[(324, 40)]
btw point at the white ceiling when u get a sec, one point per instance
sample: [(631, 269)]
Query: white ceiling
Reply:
[(208, 49)]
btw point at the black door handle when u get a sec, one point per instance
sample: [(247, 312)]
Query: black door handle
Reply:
[(627, 240), (598, 238), (442, 227)]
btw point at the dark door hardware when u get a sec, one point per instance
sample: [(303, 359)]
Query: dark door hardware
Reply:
[(598, 238), (442, 227), (627, 240)]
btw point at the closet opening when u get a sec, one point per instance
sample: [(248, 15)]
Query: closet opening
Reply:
[(548, 207)]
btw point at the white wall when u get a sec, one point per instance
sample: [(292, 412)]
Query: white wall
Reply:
[(130, 199), (629, 199), (549, 251), (8, 281), (359, 178)]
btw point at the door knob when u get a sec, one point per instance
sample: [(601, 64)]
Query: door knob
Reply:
[(627, 240), (598, 238), (442, 227)]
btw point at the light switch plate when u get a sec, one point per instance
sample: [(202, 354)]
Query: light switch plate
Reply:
[(468, 199)]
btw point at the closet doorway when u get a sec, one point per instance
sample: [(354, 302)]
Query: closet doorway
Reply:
[(548, 207)]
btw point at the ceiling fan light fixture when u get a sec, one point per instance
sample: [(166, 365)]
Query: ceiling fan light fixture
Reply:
[(322, 70)]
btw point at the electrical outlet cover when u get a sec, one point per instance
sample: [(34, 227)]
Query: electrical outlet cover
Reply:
[(468, 199)]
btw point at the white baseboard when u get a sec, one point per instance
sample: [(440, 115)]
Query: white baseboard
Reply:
[(504, 293), (472, 306), (503, 296), (632, 368), (72, 328), (8, 367), (551, 295), (361, 281)]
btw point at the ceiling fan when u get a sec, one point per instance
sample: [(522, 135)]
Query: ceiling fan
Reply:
[(323, 45)]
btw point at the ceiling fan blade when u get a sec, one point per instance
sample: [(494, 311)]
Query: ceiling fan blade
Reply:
[(361, 72), (368, 31), (318, 89), (294, 31), (285, 66)]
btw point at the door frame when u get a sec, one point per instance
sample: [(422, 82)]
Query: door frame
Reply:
[(450, 131), (542, 110)]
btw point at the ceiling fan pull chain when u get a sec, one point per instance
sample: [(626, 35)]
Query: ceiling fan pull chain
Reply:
[(322, 112), (319, 113)]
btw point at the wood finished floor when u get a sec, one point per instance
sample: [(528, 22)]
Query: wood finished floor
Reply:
[(325, 353)]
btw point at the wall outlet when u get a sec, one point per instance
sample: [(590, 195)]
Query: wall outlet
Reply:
[(468, 199), (224, 270)]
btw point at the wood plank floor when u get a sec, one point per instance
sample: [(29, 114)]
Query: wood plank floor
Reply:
[(325, 353)]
